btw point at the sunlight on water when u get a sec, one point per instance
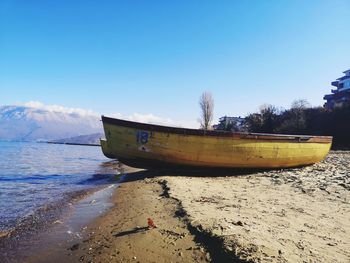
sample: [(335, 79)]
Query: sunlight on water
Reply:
[(35, 174)]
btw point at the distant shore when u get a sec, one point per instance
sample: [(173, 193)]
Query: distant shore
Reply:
[(71, 143), (292, 215)]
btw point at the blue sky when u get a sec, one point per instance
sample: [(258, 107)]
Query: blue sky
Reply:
[(159, 56)]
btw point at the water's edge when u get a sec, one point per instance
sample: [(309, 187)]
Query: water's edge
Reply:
[(56, 226)]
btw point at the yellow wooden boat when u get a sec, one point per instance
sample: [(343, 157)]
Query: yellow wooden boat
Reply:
[(146, 145)]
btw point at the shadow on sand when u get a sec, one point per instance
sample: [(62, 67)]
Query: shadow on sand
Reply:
[(185, 172), (132, 231)]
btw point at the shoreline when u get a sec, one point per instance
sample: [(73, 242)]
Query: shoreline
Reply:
[(84, 244), (54, 225), (266, 216), (269, 216), (122, 233)]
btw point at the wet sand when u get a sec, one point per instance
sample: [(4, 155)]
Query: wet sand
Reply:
[(290, 215), (49, 230), (123, 235)]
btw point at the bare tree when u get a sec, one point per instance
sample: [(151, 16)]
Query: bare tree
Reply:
[(206, 103), (297, 116), (300, 104)]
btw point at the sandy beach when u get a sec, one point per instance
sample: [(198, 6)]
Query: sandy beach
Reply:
[(290, 215), (295, 215)]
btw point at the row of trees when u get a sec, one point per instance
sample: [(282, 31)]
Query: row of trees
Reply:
[(301, 118)]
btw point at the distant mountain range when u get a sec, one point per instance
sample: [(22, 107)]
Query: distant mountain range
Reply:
[(21, 123), (93, 139)]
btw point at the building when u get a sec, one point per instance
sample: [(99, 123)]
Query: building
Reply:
[(230, 124), (341, 95)]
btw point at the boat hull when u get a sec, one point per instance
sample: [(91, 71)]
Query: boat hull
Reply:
[(106, 150), (145, 145)]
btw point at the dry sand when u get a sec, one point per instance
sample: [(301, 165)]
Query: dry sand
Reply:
[(291, 215), (295, 215)]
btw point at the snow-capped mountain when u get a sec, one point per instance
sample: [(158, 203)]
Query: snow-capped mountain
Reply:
[(25, 123)]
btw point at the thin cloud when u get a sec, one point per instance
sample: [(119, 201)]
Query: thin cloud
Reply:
[(58, 108), (147, 118), (153, 119), (137, 117)]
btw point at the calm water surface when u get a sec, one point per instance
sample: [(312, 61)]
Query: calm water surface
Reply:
[(35, 174)]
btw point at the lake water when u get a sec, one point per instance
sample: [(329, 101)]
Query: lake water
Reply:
[(35, 175)]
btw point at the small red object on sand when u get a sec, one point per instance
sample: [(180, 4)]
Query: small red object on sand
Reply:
[(151, 223)]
